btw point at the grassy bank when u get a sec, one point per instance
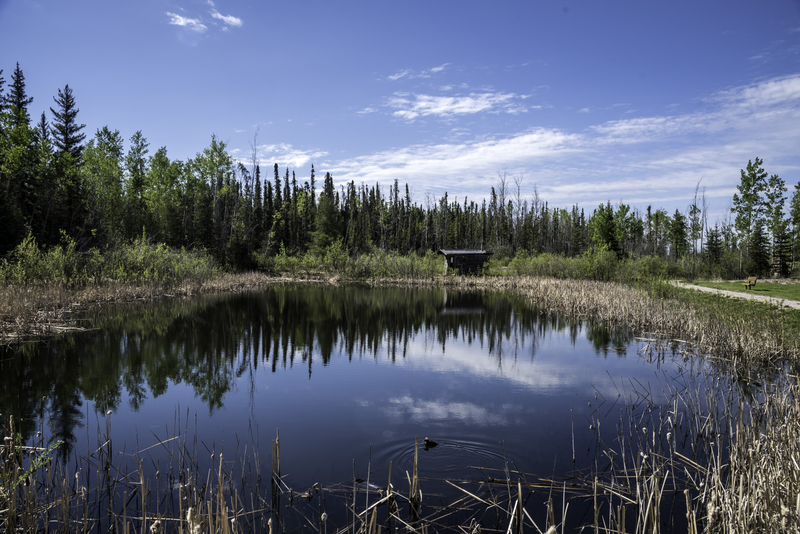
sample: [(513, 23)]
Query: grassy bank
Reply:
[(783, 289)]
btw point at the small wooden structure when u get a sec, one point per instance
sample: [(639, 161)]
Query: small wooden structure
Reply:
[(465, 261), (751, 281)]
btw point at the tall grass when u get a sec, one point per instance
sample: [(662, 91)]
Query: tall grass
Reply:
[(139, 262), (44, 291), (371, 266)]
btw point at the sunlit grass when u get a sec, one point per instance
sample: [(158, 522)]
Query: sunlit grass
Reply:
[(790, 291)]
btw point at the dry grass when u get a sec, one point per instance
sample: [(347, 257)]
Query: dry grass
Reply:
[(740, 343), (106, 491), (45, 309)]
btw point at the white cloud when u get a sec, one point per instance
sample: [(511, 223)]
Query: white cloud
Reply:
[(196, 24), (769, 93), (192, 24), (366, 110), (283, 154), (401, 74), (584, 110), (227, 19), (410, 107), (409, 74), (599, 163)]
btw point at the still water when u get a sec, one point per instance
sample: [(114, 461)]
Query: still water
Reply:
[(349, 375)]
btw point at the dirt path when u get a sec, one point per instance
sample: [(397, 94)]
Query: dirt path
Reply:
[(742, 295)]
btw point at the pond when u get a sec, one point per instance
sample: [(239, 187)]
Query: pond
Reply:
[(348, 375)]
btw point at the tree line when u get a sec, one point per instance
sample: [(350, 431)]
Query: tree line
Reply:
[(55, 185)]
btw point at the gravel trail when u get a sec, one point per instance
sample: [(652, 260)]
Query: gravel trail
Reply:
[(749, 295)]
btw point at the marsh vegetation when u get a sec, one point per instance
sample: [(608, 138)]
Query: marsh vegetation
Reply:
[(704, 444)]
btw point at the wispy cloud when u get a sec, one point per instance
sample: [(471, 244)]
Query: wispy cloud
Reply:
[(410, 74), (192, 24), (366, 111), (398, 75), (197, 24), (229, 20), (410, 107), (598, 163), (283, 154), (762, 94)]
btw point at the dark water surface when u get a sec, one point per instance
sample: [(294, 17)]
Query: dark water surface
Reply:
[(345, 373)]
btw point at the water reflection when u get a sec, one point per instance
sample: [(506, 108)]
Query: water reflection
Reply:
[(219, 347)]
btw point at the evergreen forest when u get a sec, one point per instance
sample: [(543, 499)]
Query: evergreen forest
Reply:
[(60, 185)]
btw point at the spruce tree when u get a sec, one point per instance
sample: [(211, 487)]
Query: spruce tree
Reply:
[(679, 234), (758, 263), (67, 134), (17, 100), (43, 129), (2, 90), (258, 208), (714, 246), (603, 227), (327, 223)]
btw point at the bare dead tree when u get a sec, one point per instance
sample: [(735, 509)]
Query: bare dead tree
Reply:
[(519, 214)]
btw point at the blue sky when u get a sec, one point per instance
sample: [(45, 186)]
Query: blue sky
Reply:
[(587, 101)]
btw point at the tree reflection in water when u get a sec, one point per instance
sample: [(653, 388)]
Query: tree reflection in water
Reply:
[(208, 342)]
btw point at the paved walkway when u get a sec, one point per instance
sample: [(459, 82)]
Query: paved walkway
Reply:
[(750, 295)]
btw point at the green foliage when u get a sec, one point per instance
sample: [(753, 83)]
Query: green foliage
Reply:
[(22, 474), (600, 265), (678, 235), (374, 265), (603, 228), (145, 262), (140, 262), (67, 134), (758, 260)]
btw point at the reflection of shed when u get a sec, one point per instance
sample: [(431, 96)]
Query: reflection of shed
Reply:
[(465, 261)]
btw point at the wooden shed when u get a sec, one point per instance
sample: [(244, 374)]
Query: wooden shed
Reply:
[(465, 261)]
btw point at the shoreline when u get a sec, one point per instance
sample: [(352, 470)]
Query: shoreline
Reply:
[(38, 312)]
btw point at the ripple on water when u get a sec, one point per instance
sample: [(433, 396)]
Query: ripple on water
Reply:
[(451, 459)]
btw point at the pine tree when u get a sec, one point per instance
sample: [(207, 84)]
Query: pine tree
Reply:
[(66, 131), (794, 213), (2, 97), (17, 100), (258, 209), (679, 235), (758, 261), (327, 223), (43, 129), (602, 227), (714, 246), (748, 205)]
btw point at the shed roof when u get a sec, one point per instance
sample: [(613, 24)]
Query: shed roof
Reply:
[(457, 252)]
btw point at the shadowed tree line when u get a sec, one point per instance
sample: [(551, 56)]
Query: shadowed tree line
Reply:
[(209, 343), (56, 182)]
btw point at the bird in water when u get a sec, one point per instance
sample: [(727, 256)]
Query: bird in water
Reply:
[(429, 444)]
